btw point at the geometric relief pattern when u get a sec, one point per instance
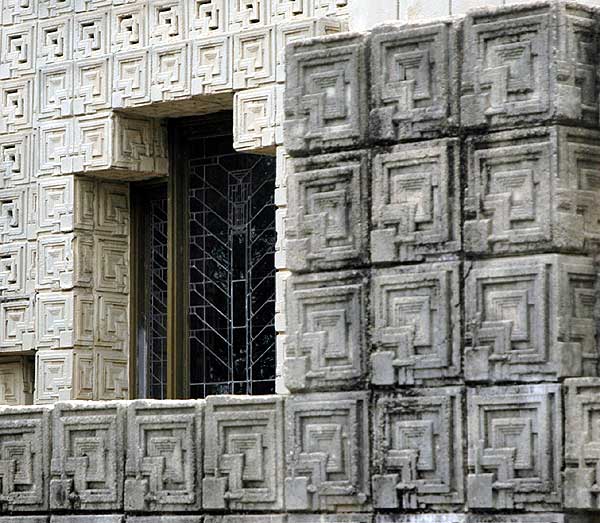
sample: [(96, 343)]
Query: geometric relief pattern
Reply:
[(413, 84), (328, 212), (530, 319), (515, 447), (506, 75), (509, 194), (87, 456), (541, 64), (17, 331), (24, 432), (325, 94), (243, 448), (164, 456), (325, 345), (416, 324), (582, 444), (418, 447), (416, 201), (327, 452)]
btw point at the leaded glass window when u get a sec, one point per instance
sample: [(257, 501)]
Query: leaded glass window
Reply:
[(228, 227)]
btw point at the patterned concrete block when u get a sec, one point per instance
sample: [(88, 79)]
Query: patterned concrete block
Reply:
[(416, 319), (413, 81), (327, 219), (325, 345), (164, 456), (24, 440), (87, 456), (325, 96), (525, 64), (327, 454), (416, 202), (243, 452), (530, 319), (418, 450), (515, 447)]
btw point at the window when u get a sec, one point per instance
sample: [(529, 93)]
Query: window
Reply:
[(206, 274)]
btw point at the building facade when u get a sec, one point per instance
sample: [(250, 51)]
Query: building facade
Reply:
[(299, 261)]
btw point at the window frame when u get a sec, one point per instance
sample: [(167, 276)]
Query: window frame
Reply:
[(177, 188)]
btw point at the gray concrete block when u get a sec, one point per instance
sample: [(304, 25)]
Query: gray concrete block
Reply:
[(325, 345), (515, 447), (243, 453), (582, 440), (532, 518), (414, 81), (89, 518), (328, 212), (530, 319), (164, 456), (327, 452), (24, 467), (418, 450), (416, 320), (325, 99), (246, 518), (530, 63), (88, 456), (421, 518), (416, 202), (532, 190), (329, 518), (165, 519), (24, 519)]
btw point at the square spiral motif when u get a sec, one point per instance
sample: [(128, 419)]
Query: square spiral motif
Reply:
[(418, 446), (416, 322), (87, 456), (164, 460), (414, 82), (416, 202), (244, 448), (325, 344), (530, 319), (327, 212), (327, 452), (515, 447)]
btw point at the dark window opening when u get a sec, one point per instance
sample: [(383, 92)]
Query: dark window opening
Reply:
[(228, 284)]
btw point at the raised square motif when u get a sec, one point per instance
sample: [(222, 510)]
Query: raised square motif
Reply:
[(530, 319), (53, 375), (55, 140), (168, 22), (16, 381), (247, 14), (54, 8), (508, 202), (208, 18), (13, 269), (90, 35), (17, 325), (111, 374), (416, 324), (113, 213), (515, 447), (243, 452), (327, 452), (129, 28), (112, 264), (55, 262), (55, 204), (416, 201), (328, 215), (24, 440), (164, 456), (254, 119), (325, 95), (212, 65), (13, 214), (112, 321), (582, 443), (15, 159), (17, 11), (54, 328), (334, 8), (17, 52), (254, 62), (418, 447), (87, 456), (170, 72), (290, 10), (92, 80), (131, 82), (16, 104), (325, 346), (55, 91), (54, 41), (414, 82)]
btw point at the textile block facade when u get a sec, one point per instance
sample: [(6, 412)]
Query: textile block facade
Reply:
[(436, 311)]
